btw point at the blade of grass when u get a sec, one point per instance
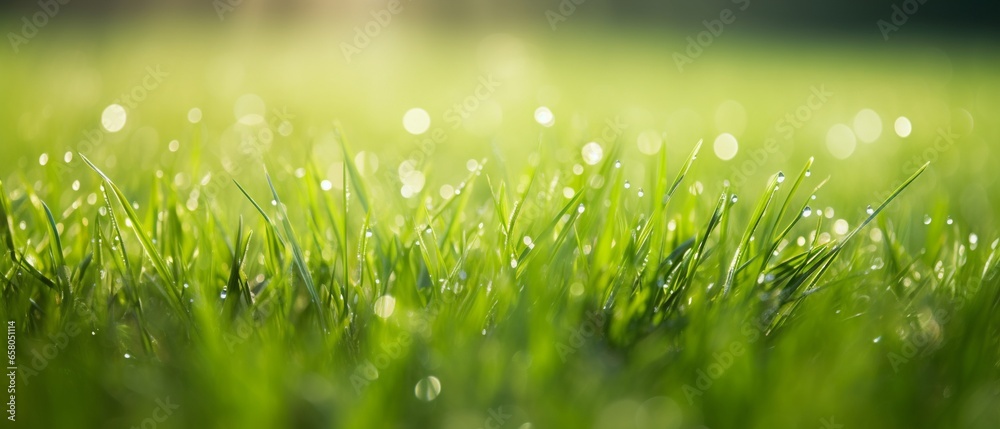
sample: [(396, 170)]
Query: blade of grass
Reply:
[(148, 247), (297, 257)]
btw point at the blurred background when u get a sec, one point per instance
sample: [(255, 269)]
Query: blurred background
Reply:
[(954, 17), (874, 86)]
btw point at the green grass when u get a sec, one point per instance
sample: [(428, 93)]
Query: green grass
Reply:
[(248, 281)]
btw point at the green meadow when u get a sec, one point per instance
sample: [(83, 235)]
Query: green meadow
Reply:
[(500, 230)]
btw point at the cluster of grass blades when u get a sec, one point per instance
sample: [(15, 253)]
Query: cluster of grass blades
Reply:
[(335, 282)]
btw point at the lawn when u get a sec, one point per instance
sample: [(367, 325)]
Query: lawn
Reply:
[(511, 230)]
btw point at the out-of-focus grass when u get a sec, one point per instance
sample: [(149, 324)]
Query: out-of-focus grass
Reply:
[(533, 286)]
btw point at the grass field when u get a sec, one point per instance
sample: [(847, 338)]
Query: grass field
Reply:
[(581, 236)]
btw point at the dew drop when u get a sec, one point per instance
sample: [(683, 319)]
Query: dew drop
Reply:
[(877, 339), (627, 185), (224, 293), (808, 173), (580, 208), (618, 164), (806, 212), (927, 220), (128, 356), (640, 193), (733, 199), (781, 177), (949, 221), (870, 210)]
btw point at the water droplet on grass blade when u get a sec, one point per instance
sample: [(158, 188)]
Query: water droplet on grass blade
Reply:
[(618, 164), (781, 177), (927, 220), (627, 184), (733, 199), (870, 210), (806, 212), (224, 293), (949, 221)]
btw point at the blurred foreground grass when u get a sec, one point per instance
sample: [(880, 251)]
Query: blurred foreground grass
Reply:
[(494, 271)]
